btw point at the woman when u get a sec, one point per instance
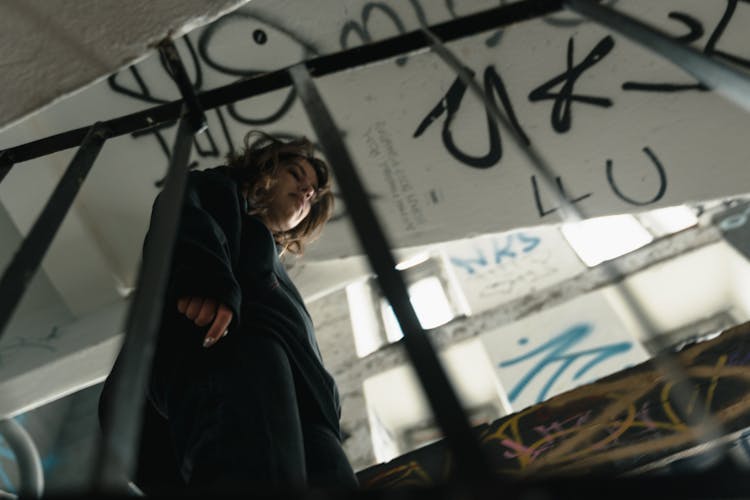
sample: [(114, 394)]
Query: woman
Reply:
[(238, 382)]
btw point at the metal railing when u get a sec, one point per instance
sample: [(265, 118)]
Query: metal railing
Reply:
[(117, 451)]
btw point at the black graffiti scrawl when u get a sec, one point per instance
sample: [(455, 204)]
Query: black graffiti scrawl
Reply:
[(563, 100), (450, 105), (695, 32)]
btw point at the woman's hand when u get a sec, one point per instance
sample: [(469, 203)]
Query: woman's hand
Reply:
[(204, 311)]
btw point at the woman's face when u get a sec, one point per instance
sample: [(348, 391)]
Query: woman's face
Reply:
[(292, 195)]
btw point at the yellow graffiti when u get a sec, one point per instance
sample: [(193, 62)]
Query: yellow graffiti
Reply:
[(624, 394), (629, 416), (720, 363), (667, 405), (408, 474)]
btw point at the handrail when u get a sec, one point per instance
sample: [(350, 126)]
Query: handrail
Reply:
[(118, 448)]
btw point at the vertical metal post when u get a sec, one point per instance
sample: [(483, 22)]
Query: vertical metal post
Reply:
[(470, 462), (28, 257), (118, 449), (718, 76), (6, 163), (194, 109)]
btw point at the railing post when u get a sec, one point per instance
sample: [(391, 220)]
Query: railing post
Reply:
[(118, 448), (468, 458), (195, 114), (117, 452), (6, 163), (29, 255)]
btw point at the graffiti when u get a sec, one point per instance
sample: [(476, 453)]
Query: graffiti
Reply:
[(548, 433), (619, 423), (695, 31), (382, 154), (662, 181), (450, 105), (263, 33), (609, 170), (561, 109), (517, 280), (514, 243), (556, 351), (362, 31), (145, 93), (538, 200), (239, 68), (564, 20), (138, 87), (735, 220), (502, 267), (491, 41), (636, 425)]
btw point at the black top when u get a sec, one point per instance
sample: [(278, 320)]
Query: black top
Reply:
[(225, 254)]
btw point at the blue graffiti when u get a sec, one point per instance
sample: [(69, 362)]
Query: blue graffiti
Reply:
[(531, 242), (480, 260), (557, 351), (506, 249)]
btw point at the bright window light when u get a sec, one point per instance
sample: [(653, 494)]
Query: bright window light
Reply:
[(604, 238), (364, 322), (664, 221), (430, 303)]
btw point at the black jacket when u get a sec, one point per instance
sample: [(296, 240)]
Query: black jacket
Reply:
[(223, 253)]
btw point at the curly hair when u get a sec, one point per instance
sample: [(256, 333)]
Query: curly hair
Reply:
[(257, 167)]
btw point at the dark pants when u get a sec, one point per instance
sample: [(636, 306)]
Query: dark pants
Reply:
[(238, 422)]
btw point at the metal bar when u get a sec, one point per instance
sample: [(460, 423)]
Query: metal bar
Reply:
[(320, 66), (117, 450), (195, 114), (27, 456), (6, 163), (29, 255), (708, 428), (718, 76), (470, 463)]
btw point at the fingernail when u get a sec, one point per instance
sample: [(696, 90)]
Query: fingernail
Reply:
[(225, 333), (208, 342)]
